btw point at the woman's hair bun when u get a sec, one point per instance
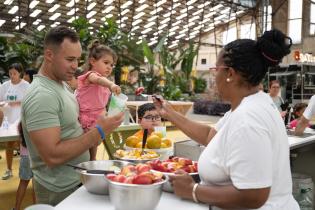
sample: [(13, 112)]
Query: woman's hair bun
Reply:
[(95, 43), (274, 45)]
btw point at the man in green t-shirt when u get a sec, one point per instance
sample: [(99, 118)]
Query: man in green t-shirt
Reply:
[(50, 123)]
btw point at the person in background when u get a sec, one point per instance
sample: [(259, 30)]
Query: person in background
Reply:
[(298, 110), (94, 87), (305, 119), (73, 83), (1, 117), (261, 86), (148, 118), (274, 89), (50, 112), (12, 93), (245, 164), (25, 172), (28, 75)]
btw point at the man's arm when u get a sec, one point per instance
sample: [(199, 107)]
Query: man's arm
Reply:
[(54, 152), (300, 127)]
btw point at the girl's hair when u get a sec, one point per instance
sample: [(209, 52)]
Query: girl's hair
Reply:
[(274, 82), (298, 107), (145, 108), (20, 129), (96, 51), (251, 59), (31, 73), (18, 67)]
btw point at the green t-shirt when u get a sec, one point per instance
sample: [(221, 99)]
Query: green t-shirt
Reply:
[(49, 104)]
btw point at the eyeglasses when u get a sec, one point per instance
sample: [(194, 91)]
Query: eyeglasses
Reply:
[(275, 87), (217, 68), (152, 118)]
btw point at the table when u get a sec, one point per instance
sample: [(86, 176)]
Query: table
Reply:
[(81, 199), (10, 134), (179, 106), (301, 141)]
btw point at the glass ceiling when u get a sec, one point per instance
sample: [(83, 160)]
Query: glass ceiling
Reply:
[(182, 19)]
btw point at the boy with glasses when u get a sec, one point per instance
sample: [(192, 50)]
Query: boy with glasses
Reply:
[(148, 118)]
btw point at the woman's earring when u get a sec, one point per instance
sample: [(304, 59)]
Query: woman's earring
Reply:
[(228, 80)]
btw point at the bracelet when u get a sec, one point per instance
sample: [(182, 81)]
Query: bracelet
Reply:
[(194, 193), (101, 132)]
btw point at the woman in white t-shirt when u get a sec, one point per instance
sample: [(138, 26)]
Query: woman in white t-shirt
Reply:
[(11, 95), (245, 164)]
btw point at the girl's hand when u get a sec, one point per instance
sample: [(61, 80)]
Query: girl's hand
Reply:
[(115, 89), (182, 184)]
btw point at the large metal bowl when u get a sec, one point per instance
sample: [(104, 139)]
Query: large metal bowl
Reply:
[(135, 196), (97, 183)]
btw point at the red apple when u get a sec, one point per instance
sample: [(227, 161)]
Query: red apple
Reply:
[(184, 161), (129, 180), (111, 176), (141, 167), (120, 178), (142, 179), (128, 170)]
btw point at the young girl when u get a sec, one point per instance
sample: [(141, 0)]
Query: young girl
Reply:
[(298, 110), (94, 88)]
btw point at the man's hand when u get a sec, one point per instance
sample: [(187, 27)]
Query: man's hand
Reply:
[(110, 123)]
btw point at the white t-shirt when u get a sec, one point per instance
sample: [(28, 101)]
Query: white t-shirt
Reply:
[(250, 151), (310, 109), (13, 92)]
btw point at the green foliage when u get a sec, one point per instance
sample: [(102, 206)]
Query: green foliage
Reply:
[(200, 84)]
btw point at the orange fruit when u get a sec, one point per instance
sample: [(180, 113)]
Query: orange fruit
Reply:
[(167, 141), (163, 145), (154, 142), (139, 145), (132, 141), (159, 134)]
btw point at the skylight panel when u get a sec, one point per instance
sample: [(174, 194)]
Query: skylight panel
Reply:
[(139, 15), (180, 36), (8, 2), (152, 18), (71, 20), (33, 4), (72, 11), (92, 20), (52, 9), (41, 27), (146, 31), (172, 33), (36, 22), (141, 1), (125, 5), (90, 14), (91, 6), (165, 20), (190, 2), (162, 26), (55, 16), (35, 13), (71, 3), (153, 12), (152, 43), (109, 15), (149, 24), (176, 23), (142, 7), (13, 10), (125, 11), (135, 28), (160, 3), (174, 28), (108, 2), (2, 22), (216, 7), (49, 1), (20, 26), (136, 22), (108, 9), (181, 16), (197, 12)]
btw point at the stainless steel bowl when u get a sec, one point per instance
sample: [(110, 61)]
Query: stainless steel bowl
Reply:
[(97, 183), (136, 161), (135, 196), (167, 187)]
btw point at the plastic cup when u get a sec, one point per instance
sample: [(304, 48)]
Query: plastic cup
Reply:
[(117, 104), (40, 207), (161, 129)]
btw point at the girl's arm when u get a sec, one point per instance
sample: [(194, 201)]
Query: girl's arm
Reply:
[(103, 81)]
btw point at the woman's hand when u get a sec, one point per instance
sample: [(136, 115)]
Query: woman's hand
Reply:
[(115, 89), (182, 184), (163, 107)]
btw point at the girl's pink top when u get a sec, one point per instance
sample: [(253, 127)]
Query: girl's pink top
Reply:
[(294, 123), (23, 150), (92, 99)]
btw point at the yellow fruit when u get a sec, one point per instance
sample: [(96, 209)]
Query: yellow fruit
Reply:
[(132, 141), (167, 141), (139, 145), (163, 145), (154, 142), (159, 134)]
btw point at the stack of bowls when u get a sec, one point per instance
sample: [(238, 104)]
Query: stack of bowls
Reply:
[(97, 183)]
